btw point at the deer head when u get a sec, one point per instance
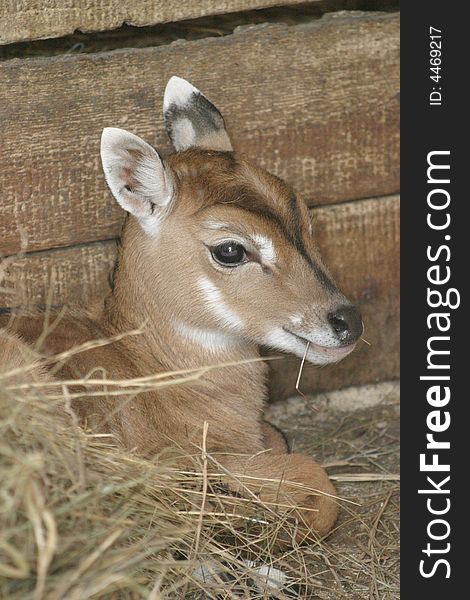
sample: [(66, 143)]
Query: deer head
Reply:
[(221, 250)]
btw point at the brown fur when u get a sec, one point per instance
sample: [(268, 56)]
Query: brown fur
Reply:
[(230, 399), (19, 363), (156, 284)]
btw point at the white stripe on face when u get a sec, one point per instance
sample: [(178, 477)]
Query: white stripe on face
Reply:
[(265, 247), (223, 313), (216, 225), (214, 341), (296, 319)]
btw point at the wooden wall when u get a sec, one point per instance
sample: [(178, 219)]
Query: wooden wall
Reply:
[(315, 103), (22, 20)]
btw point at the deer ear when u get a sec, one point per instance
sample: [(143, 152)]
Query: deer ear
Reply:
[(136, 175), (191, 120)]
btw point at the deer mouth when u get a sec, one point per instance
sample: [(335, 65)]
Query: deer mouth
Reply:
[(326, 351)]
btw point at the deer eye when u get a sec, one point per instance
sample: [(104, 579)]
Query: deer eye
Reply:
[(229, 254)]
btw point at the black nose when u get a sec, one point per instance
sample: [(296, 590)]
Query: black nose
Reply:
[(346, 322)]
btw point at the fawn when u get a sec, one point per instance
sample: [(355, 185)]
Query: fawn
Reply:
[(216, 258)]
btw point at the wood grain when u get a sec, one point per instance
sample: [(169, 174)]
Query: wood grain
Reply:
[(359, 241), (315, 103), (35, 19), (69, 275)]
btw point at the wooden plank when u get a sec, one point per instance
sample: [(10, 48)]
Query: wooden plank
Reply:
[(316, 104), (69, 275), (360, 244), (359, 241), (36, 19)]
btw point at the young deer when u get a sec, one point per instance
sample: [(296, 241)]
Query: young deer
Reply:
[(216, 258)]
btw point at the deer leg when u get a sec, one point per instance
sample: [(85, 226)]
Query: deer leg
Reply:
[(274, 439), (275, 479)]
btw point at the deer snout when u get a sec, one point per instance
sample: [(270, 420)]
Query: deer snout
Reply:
[(346, 323)]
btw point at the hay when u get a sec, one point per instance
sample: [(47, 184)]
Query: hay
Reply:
[(355, 434), (80, 519)]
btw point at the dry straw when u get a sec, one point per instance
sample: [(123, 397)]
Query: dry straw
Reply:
[(80, 519)]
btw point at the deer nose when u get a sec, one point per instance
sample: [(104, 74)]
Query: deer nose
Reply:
[(346, 322)]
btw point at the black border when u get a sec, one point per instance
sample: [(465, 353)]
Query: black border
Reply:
[(426, 128)]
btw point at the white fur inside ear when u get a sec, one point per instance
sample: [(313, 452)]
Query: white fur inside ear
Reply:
[(183, 130), (136, 175), (191, 120), (178, 91)]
